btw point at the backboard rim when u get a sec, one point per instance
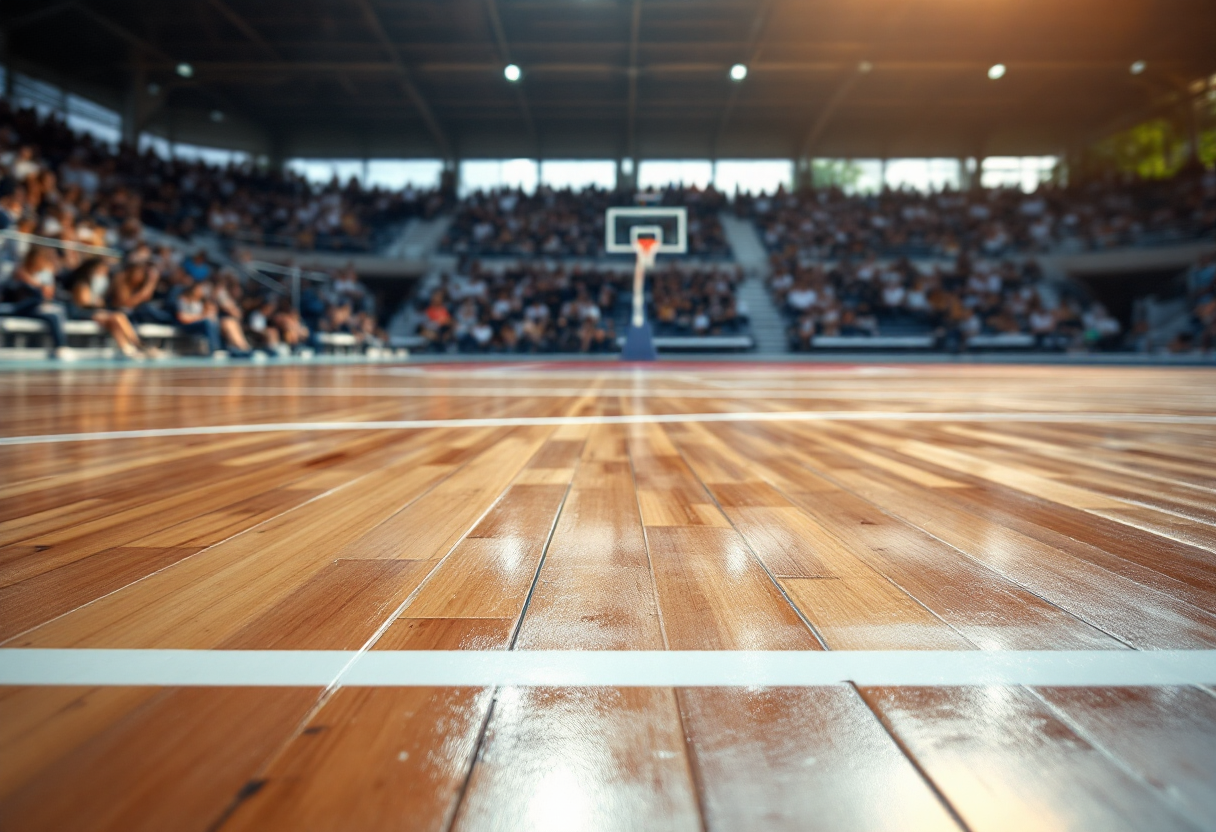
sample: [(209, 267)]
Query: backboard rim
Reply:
[(679, 246)]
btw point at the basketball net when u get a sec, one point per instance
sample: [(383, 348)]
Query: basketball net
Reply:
[(647, 248)]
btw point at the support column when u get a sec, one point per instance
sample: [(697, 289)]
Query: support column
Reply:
[(964, 175), (626, 174), (804, 174), (134, 105)]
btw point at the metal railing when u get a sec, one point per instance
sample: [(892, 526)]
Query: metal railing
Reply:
[(54, 242)]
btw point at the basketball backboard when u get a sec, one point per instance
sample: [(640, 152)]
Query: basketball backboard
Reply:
[(624, 226)]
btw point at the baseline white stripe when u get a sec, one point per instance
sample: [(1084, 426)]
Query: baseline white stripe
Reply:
[(1099, 668), (639, 419)]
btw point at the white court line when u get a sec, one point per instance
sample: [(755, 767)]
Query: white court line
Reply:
[(638, 419), (498, 392), (413, 668)]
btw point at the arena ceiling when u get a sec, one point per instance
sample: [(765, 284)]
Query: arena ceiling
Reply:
[(627, 78)]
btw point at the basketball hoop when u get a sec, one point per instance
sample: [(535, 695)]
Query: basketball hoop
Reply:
[(646, 232), (647, 248)]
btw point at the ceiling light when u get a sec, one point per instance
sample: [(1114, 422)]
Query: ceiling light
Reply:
[(738, 72), (1137, 67), (217, 116), (185, 70), (512, 73), (864, 67), (996, 71)]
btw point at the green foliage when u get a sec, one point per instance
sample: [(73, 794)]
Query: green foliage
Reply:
[(834, 173), (1155, 149)]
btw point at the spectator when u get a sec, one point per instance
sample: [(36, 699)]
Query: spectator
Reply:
[(88, 285)]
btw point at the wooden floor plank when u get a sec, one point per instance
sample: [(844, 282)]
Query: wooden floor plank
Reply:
[(1004, 761), (595, 589), (1166, 736), (826, 763), (50, 594), (177, 762), (371, 758), (582, 758)]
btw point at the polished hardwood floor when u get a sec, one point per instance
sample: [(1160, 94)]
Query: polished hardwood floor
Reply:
[(535, 508)]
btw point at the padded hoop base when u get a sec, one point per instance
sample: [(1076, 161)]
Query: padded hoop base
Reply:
[(639, 344)]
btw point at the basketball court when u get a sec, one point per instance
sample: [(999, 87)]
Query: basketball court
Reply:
[(580, 596), (616, 416)]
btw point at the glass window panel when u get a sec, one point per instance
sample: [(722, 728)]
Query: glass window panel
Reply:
[(578, 174), (753, 176)]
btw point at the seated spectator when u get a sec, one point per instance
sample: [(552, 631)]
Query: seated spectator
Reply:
[(197, 314), (88, 285), (35, 295)]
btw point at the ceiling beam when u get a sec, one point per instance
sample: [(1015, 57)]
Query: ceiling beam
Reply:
[(749, 55), (149, 49), (404, 77), (758, 67), (14, 23), (243, 26), (631, 104), (852, 76), (504, 52)]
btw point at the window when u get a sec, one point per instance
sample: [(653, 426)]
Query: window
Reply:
[(156, 144), (577, 175), (489, 174), (398, 174), (924, 175), (1025, 172), (867, 177), (43, 97), (209, 155), (101, 123), (322, 171), (753, 176), (654, 173)]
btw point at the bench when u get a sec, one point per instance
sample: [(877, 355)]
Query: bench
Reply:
[(1002, 341), (873, 342), (692, 342), (21, 329)]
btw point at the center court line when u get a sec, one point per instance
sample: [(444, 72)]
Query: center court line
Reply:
[(614, 668), (638, 419)]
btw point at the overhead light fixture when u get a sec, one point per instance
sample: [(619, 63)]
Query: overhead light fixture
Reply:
[(512, 73), (738, 72), (1137, 67), (185, 70), (996, 71), (864, 67), (217, 116)]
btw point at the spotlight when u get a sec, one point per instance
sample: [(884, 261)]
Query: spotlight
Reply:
[(996, 71), (738, 72), (1137, 67), (512, 73), (185, 70)]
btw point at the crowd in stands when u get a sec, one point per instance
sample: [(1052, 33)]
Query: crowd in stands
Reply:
[(93, 263), (828, 225), (234, 202), (539, 308), (842, 265), (565, 223), (954, 304)]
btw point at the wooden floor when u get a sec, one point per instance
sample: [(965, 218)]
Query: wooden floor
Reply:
[(588, 508)]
